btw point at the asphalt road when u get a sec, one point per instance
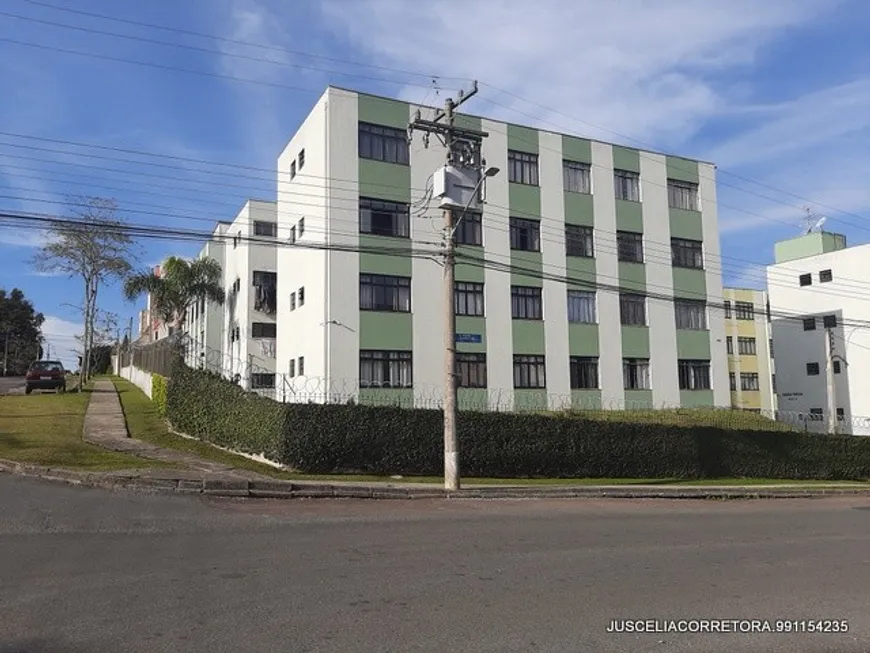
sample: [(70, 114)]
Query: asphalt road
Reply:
[(10, 383), (84, 570)]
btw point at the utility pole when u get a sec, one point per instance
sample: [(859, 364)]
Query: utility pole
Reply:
[(832, 392), (463, 157)]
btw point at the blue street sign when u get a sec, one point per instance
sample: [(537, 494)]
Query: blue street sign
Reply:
[(469, 337)]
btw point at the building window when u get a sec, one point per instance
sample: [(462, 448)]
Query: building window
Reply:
[(744, 310), (770, 346), (529, 372), (773, 382), (687, 253), (471, 370), (694, 374), (469, 231), (264, 278), (816, 414), (746, 346), (732, 379), (805, 279), (836, 367), (749, 381), (578, 241), (682, 195), (302, 366), (382, 218), (809, 324), (468, 298), (627, 185), (292, 301), (264, 330), (526, 303), (292, 238), (292, 170), (729, 344), (581, 307), (292, 370), (727, 310), (812, 369), (829, 321), (576, 177), (301, 158), (635, 373), (841, 414), (523, 168), (381, 143), (300, 229), (825, 276), (262, 381), (629, 246), (690, 314), (385, 369), (262, 228), (632, 309), (584, 372), (379, 292), (525, 234), (301, 294)]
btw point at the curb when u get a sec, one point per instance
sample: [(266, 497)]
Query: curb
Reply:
[(277, 489)]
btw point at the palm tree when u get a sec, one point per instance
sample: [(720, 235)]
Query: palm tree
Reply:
[(180, 284)]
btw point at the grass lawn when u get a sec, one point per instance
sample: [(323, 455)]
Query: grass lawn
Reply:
[(46, 429)]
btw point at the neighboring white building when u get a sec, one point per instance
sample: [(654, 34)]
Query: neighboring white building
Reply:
[(359, 311), (816, 304)]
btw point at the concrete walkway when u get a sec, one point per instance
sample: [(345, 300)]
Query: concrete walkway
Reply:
[(106, 427)]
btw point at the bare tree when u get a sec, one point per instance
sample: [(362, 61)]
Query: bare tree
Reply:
[(95, 247)]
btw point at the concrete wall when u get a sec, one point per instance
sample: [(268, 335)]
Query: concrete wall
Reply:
[(140, 378)]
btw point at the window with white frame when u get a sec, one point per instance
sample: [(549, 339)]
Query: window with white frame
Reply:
[(581, 307), (687, 253), (576, 177), (471, 370), (525, 234), (749, 381), (469, 231), (523, 168), (382, 218), (682, 195), (381, 292), (732, 380), (262, 381), (629, 245), (529, 371), (579, 241), (635, 373), (263, 228), (632, 309), (729, 344), (746, 346), (380, 143), (583, 372), (468, 298), (627, 185), (385, 369), (264, 330), (727, 310), (690, 314), (744, 310), (694, 374), (526, 303)]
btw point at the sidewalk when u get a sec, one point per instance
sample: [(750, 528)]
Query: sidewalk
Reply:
[(105, 426)]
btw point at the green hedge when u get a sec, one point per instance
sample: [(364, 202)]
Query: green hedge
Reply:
[(158, 393), (317, 438), (208, 407)]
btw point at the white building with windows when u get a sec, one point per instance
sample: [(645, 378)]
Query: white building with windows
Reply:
[(818, 306)]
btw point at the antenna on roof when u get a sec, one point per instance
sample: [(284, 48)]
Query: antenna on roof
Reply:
[(813, 222)]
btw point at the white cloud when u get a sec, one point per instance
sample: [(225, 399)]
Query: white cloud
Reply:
[(22, 237), (61, 335)]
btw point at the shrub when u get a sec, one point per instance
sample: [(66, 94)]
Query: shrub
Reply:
[(158, 393)]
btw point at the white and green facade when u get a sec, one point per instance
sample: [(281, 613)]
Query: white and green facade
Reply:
[(565, 285)]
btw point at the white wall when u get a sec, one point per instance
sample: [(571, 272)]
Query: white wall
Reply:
[(140, 378), (607, 273)]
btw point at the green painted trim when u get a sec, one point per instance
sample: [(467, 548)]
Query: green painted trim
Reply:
[(384, 181), (808, 245), (638, 399), (464, 121), (576, 149), (629, 216), (632, 277), (682, 169), (696, 398), (693, 345), (580, 269), (522, 139), (528, 337), (476, 399), (626, 158), (399, 266), (524, 201), (386, 331), (579, 209), (530, 399), (690, 283), (635, 341), (469, 324), (470, 271), (686, 224), (399, 397), (533, 261), (583, 339), (586, 399), (382, 111)]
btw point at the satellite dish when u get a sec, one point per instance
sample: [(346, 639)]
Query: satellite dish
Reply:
[(819, 223), (813, 221)]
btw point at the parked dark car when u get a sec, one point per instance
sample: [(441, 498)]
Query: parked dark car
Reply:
[(46, 375)]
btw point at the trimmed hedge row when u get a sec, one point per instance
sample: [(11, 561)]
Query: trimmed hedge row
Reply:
[(158, 393), (318, 438)]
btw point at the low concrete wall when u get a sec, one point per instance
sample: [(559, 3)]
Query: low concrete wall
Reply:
[(139, 378)]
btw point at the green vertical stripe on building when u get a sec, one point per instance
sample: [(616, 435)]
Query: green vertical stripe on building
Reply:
[(690, 283), (580, 271), (696, 398), (576, 149), (530, 399), (475, 326), (693, 344), (629, 216), (527, 268), (522, 139), (638, 399), (635, 342), (586, 399), (399, 265), (583, 339), (524, 201), (384, 181), (686, 224), (579, 209), (398, 397), (383, 111), (473, 268), (632, 277), (383, 330), (625, 158), (682, 169), (471, 399), (467, 122), (528, 337)]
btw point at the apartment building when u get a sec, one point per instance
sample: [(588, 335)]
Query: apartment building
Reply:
[(748, 345), (819, 312), (152, 327), (583, 281), (206, 320)]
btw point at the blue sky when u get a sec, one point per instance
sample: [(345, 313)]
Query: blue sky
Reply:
[(775, 93)]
